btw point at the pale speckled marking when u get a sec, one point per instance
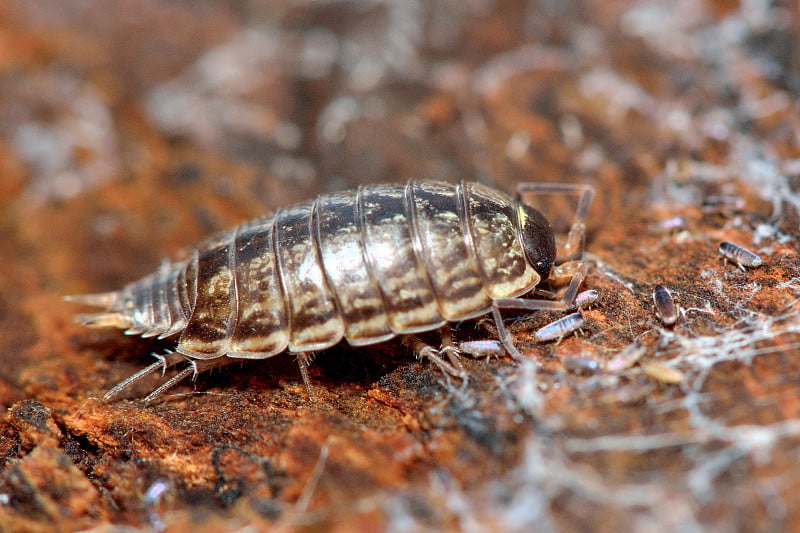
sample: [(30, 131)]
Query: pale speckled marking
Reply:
[(506, 272), (407, 295), (345, 265), (314, 320), (208, 334), (261, 329), (443, 245)]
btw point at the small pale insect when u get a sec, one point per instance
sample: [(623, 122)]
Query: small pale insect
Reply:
[(483, 348), (363, 266), (635, 392), (665, 306), (586, 299), (627, 357), (739, 255), (722, 204), (662, 373), (582, 365), (668, 225), (560, 328), (150, 501)]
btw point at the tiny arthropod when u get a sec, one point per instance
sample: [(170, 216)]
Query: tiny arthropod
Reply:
[(662, 373), (151, 500), (668, 225), (560, 328), (739, 255), (364, 266), (586, 298), (665, 305), (483, 348), (633, 392), (722, 204), (627, 357), (155, 492), (581, 365)]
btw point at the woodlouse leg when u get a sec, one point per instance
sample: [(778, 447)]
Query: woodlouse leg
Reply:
[(449, 348), (571, 263), (304, 359), (574, 246), (581, 269), (531, 304), (451, 366), (171, 382), (164, 362), (503, 334), (195, 368)]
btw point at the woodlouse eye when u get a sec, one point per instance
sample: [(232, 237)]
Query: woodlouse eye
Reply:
[(537, 240)]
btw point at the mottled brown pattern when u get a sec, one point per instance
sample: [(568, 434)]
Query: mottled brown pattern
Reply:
[(408, 297), (213, 318), (344, 261), (314, 320), (492, 218), (440, 227), (261, 328)]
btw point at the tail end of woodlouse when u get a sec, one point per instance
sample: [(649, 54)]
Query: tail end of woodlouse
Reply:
[(103, 320), (101, 299), (107, 319)]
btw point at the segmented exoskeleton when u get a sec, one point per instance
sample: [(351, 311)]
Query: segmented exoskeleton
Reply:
[(363, 265)]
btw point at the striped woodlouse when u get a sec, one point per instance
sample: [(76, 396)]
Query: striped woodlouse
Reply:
[(363, 265), (665, 305), (739, 255)]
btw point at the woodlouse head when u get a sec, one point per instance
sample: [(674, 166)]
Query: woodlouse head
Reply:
[(537, 239)]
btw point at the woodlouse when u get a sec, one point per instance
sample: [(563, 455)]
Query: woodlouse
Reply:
[(739, 255), (483, 348), (669, 225), (722, 204), (665, 306), (627, 357), (586, 298), (363, 265), (662, 373), (560, 328)]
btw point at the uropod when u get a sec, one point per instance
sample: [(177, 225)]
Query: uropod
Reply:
[(364, 266)]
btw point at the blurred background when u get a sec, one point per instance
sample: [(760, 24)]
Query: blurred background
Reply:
[(129, 132)]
